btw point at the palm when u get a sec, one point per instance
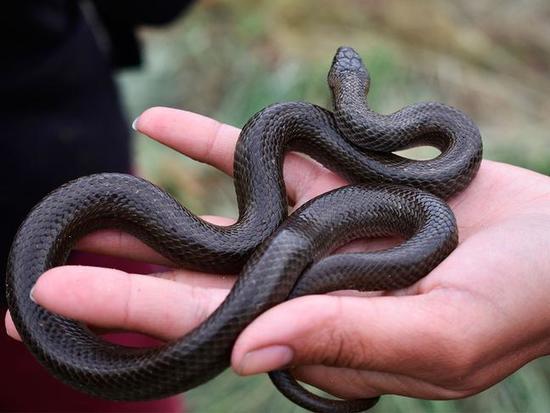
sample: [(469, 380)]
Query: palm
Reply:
[(503, 218), (500, 216)]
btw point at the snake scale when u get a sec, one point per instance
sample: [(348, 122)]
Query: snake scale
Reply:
[(277, 257)]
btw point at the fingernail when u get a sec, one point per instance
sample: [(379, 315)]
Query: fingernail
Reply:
[(134, 124), (31, 294), (265, 359)]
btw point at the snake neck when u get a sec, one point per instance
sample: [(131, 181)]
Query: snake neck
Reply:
[(350, 94)]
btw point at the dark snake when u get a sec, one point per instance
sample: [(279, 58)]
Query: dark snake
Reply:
[(277, 258)]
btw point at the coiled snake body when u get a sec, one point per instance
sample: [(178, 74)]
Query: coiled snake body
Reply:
[(277, 259)]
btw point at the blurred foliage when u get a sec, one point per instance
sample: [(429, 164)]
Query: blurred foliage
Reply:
[(229, 59)]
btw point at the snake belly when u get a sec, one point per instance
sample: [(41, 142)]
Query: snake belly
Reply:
[(276, 257)]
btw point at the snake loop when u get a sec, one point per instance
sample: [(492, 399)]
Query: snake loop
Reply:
[(276, 258)]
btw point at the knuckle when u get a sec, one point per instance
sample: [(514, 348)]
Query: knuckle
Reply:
[(200, 300), (212, 139), (127, 311)]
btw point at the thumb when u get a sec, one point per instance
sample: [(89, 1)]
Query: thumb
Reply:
[(388, 333)]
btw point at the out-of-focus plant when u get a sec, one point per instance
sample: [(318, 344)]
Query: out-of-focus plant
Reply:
[(228, 59)]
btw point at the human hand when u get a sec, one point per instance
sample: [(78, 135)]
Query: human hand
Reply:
[(475, 319)]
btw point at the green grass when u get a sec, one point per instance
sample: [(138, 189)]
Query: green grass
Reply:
[(229, 59), (526, 391)]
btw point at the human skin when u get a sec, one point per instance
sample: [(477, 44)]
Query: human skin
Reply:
[(477, 318)]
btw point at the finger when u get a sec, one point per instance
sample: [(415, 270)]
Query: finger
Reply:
[(212, 142), (199, 137), (359, 384), (353, 384), (340, 382), (198, 279), (389, 334), (190, 278), (10, 327), (116, 300), (11, 330), (310, 181), (121, 244)]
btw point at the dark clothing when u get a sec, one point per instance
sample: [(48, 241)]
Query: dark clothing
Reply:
[(60, 112), (120, 17), (59, 109), (61, 118)]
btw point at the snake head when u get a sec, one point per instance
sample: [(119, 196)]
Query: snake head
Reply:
[(348, 69)]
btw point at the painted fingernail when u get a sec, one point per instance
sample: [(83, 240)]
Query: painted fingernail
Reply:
[(265, 359), (31, 294), (134, 124)]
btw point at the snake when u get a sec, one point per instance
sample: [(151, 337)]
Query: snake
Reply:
[(277, 257)]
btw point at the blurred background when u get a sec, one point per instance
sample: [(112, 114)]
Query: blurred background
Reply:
[(228, 59)]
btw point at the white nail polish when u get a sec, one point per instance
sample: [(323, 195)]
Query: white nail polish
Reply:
[(31, 296)]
